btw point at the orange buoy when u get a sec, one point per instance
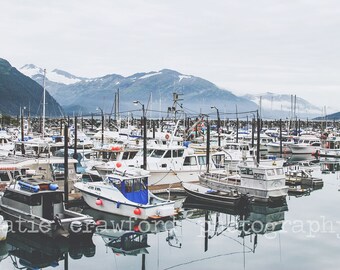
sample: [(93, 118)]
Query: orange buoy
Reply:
[(137, 211), (99, 202)]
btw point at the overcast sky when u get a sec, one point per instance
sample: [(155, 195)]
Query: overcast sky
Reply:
[(288, 46)]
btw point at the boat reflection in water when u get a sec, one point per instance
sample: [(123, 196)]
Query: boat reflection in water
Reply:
[(129, 236), (254, 219), (329, 165), (36, 251)]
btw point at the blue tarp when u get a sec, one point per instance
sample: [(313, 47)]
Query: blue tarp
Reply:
[(140, 196)]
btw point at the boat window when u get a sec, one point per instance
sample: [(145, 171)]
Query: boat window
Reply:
[(56, 198), (157, 153), (145, 182), (113, 156), (190, 161), (97, 189), (218, 160), (21, 198), (148, 152), (4, 176), (247, 171), (128, 185), (129, 155), (139, 184), (244, 147), (35, 200), (202, 160), (91, 187), (258, 176), (279, 171), (167, 154), (271, 172)]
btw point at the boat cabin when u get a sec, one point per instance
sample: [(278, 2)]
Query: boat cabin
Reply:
[(39, 199), (134, 188), (262, 177)]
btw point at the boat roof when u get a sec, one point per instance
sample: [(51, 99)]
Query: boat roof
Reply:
[(22, 162), (16, 188), (261, 167), (128, 173)]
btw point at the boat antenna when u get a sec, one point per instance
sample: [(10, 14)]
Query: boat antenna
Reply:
[(44, 105)]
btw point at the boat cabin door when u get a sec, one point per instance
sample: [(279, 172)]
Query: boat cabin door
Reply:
[(47, 206)]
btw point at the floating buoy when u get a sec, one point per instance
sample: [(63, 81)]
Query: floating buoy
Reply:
[(99, 202), (99, 222), (136, 228), (53, 186), (137, 211), (118, 164)]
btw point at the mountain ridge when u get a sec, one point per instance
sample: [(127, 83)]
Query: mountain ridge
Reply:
[(158, 86), (18, 91)]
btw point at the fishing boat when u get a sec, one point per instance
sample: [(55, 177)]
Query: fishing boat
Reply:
[(226, 198), (31, 251), (262, 183), (330, 147), (125, 192), (306, 145), (37, 206), (169, 164)]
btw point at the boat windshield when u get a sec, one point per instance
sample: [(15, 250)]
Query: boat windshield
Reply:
[(157, 153), (135, 189)]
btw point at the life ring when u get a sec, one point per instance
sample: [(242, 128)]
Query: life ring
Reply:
[(167, 136)]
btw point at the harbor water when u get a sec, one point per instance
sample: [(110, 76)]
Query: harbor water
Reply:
[(301, 232)]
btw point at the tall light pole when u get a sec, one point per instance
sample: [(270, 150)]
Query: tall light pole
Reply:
[(22, 130), (136, 102), (98, 108), (218, 125)]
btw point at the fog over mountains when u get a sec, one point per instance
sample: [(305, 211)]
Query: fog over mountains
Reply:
[(155, 89)]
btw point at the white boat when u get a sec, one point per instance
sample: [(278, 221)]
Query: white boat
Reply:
[(3, 228), (126, 193), (38, 207), (6, 144), (239, 153), (262, 183), (330, 147), (305, 145), (169, 164), (274, 147), (208, 195), (44, 167)]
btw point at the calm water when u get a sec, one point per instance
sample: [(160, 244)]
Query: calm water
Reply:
[(304, 232)]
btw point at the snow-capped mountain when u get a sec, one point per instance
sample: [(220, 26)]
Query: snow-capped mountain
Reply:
[(56, 75), (18, 91), (158, 87)]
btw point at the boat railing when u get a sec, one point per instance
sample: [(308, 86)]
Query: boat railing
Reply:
[(221, 178)]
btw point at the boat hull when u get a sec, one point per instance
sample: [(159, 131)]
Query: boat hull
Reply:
[(215, 197), (25, 222), (256, 193), (112, 206)]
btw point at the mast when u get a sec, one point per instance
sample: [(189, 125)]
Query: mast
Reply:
[(44, 105)]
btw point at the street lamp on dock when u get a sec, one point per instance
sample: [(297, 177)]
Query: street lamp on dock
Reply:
[(98, 108), (136, 102), (218, 125)]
